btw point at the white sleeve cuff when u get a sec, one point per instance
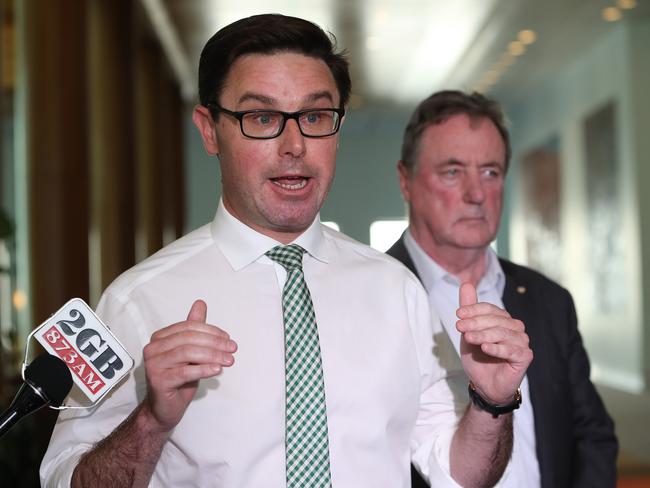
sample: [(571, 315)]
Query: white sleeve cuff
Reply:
[(57, 473), (439, 463)]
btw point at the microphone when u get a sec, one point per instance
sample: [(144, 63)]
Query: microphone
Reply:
[(47, 381)]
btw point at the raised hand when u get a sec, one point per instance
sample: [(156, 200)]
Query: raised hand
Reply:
[(494, 347), (177, 357)]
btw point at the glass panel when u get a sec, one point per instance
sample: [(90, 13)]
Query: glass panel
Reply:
[(384, 233), (332, 225)]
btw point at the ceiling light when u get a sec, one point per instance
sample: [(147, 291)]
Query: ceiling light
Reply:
[(516, 48), (527, 36), (611, 14), (506, 60), (373, 43), (381, 16), (486, 85), (626, 4), (19, 299), (491, 77)]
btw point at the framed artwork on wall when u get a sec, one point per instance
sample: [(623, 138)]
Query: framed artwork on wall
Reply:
[(540, 207), (572, 222), (607, 288)]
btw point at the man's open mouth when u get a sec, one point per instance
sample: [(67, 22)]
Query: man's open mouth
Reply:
[(291, 182)]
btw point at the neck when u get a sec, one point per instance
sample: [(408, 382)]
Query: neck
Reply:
[(466, 264), (284, 236)]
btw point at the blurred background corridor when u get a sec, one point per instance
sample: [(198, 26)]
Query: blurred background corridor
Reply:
[(100, 164)]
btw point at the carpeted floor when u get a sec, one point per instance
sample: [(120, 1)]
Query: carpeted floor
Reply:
[(633, 482)]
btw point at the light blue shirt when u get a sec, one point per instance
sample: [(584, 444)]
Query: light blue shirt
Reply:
[(443, 288)]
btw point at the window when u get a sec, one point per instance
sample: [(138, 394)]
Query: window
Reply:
[(383, 233), (332, 225)]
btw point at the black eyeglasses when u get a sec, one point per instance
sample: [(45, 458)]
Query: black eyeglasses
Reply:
[(267, 124)]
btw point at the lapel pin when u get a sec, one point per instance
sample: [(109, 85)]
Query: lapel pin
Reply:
[(521, 290)]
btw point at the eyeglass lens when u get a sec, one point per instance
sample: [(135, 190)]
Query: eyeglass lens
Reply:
[(270, 124)]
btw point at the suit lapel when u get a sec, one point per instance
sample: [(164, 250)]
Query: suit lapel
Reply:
[(519, 299), (399, 252), (520, 302)]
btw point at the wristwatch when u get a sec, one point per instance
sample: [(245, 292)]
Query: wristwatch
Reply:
[(495, 410)]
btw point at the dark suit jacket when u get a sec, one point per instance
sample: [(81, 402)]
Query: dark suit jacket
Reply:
[(576, 443)]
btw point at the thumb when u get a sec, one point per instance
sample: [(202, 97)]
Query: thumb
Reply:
[(198, 312), (467, 294)]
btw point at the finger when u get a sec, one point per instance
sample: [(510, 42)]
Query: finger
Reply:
[(186, 337), (497, 335), (185, 364), (198, 312), (181, 376), (481, 322), (197, 315), (185, 326), (481, 308), (189, 354), (508, 352), (193, 372), (467, 294)]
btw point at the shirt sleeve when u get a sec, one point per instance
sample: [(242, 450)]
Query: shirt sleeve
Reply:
[(442, 399), (78, 430)]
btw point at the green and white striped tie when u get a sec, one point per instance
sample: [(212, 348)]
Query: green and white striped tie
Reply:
[(307, 447)]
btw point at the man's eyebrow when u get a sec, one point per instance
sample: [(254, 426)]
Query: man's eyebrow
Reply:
[(257, 97), (493, 164), (314, 97), (452, 162), (457, 162), (266, 100)]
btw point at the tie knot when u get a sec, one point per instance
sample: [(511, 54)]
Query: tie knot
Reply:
[(290, 257)]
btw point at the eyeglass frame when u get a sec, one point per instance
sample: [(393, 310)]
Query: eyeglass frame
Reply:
[(285, 116)]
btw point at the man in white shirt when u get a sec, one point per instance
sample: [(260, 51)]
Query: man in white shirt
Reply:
[(206, 403), (454, 160)]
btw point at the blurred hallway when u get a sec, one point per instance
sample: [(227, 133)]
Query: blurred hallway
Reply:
[(101, 166)]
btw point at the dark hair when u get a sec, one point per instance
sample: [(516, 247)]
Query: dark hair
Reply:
[(268, 34), (439, 107)]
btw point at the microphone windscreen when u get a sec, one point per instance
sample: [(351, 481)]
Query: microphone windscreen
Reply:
[(51, 375)]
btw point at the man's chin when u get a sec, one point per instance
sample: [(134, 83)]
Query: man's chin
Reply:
[(293, 218), (292, 224), (475, 240), (477, 243)]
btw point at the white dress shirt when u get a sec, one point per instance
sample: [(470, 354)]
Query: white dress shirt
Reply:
[(388, 398), (443, 289)]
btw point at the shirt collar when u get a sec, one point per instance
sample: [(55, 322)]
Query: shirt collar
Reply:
[(428, 270), (494, 276), (431, 272), (242, 245)]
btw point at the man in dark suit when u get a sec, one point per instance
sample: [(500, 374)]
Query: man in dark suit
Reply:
[(454, 160)]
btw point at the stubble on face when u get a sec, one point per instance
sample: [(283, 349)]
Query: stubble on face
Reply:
[(276, 186)]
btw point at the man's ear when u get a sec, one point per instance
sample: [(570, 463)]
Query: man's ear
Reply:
[(203, 121), (404, 180), (346, 108), (338, 142)]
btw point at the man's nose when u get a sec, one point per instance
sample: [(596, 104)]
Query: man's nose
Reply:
[(474, 191), (292, 141)]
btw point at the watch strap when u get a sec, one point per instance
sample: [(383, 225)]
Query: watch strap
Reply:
[(495, 410)]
